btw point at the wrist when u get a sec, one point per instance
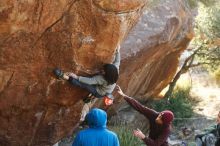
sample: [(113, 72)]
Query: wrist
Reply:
[(124, 96), (65, 77)]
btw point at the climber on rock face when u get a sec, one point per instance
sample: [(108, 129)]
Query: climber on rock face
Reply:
[(100, 85), (160, 122)]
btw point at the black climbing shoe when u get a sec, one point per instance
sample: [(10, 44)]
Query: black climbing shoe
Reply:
[(58, 73), (83, 124), (88, 99)]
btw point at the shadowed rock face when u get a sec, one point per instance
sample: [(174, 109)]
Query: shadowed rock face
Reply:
[(80, 36)]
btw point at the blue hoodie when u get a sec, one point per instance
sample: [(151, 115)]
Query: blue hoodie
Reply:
[(97, 134)]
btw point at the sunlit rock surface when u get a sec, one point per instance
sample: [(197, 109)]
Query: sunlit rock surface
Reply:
[(80, 36), (150, 53)]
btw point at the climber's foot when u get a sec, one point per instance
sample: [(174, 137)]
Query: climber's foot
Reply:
[(83, 124), (88, 98), (59, 73)]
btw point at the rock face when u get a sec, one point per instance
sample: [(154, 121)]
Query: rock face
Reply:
[(150, 53), (79, 35)]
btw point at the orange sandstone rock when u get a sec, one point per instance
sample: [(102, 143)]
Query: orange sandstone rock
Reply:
[(79, 35)]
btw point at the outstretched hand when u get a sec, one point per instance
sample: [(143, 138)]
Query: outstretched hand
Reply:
[(138, 133), (119, 91)]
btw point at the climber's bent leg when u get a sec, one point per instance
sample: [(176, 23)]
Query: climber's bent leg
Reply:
[(89, 88)]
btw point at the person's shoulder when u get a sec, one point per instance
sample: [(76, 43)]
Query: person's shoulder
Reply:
[(111, 133), (84, 131), (100, 78)]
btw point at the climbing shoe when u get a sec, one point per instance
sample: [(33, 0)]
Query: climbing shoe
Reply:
[(58, 73), (83, 124), (89, 98)]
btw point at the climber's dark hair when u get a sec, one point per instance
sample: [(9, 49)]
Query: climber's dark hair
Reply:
[(111, 73)]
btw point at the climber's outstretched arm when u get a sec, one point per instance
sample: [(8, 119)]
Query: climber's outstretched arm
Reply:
[(117, 59)]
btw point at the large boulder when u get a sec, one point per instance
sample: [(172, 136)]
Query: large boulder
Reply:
[(37, 36), (151, 51)]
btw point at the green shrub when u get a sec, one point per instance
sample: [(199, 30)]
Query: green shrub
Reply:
[(180, 104), (126, 137), (192, 3)]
